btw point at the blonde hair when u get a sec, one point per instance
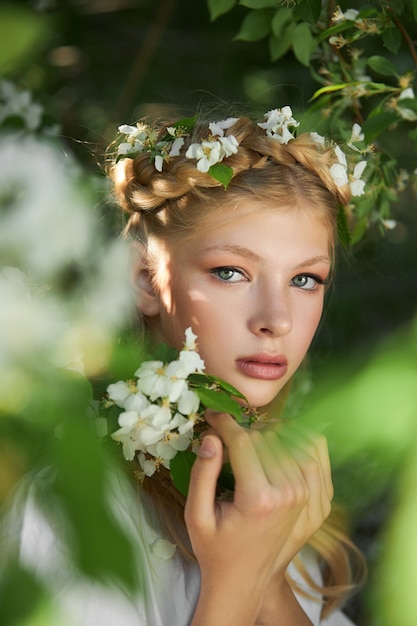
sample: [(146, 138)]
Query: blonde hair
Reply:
[(170, 205)]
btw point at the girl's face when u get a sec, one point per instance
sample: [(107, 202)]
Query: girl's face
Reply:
[(252, 290)]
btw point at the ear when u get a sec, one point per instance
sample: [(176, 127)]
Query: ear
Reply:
[(147, 299)]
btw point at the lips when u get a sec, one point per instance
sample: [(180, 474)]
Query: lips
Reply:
[(263, 366)]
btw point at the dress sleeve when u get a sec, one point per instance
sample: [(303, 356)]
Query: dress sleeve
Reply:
[(337, 619), (75, 599)]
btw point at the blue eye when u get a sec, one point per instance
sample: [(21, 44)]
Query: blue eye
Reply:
[(307, 281), (228, 274)]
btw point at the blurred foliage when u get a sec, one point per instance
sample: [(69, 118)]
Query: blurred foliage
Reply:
[(93, 64)]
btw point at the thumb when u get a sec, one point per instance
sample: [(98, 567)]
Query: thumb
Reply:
[(203, 481)]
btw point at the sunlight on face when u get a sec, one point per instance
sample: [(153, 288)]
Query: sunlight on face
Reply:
[(252, 289)]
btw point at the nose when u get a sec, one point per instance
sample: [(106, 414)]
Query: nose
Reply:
[(271, 314)]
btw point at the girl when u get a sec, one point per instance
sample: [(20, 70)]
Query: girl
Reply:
[(235, 225)]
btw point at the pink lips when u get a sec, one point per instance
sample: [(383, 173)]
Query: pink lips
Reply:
[(263, 366)]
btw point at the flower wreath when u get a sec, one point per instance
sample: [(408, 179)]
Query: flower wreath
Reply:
[(279, 125)]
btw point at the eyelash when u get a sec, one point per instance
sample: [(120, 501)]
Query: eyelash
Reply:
[(216, 271), (317, 279)]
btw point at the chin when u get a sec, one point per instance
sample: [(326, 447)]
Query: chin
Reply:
[(266, 400)]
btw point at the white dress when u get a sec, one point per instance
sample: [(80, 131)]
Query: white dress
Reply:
[(172, 585)]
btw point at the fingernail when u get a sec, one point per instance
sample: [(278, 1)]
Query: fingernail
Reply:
[(207, 448)]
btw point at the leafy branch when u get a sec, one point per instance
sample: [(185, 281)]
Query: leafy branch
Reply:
[(341, 46)]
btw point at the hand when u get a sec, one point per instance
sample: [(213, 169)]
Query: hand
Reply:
[(282, 495)]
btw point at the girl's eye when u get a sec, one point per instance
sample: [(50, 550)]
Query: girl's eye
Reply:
[(307, 281), (228, 274)]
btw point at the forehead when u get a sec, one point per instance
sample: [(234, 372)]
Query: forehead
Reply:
[(257, 227)]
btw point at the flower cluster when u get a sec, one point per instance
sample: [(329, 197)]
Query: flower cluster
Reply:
[(143, 138), (63, 286), (279, 125), (18, 110), (216, 147), (340, 170), (159, 408)]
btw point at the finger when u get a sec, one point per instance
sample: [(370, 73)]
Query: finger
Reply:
[(200, 504), (315, 444), (277, 463), (247, 468), (310, 463)]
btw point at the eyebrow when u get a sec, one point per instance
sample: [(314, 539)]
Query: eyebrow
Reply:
[(315, 260), (249, 254), (235, 249)]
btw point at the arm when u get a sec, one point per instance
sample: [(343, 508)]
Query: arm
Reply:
[(282, 495)]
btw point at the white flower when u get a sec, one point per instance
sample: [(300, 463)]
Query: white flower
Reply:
[(190, 339), (207, 153), (128, 419), (18, 103), (357, 186), (229, 145), (188, 402), (128, 422), (159, 162), (357, 134), (152, 379), (191, 361), (136, 136), (125, 148), (160, 413), (136, 402), (339, 174), (119, 392), (148, 465), (340, 16), (277, 124), (218, 128), (177, 144), (318, 139), (341, 156), (389, 224), (406, 113)]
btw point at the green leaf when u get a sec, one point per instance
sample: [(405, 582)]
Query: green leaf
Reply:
[(165, 353), (382, 66), (208, 380), (256, 25), (259, 4), (80, 486), (21, 31), (415, 9), (219, 7), (20, 595), (228, 387), (359, 230), (280, 19), (187, 123), (219, 401), (280, 46), (309, 10), (221, 172), (180, 467), (392, 39), (343, 228), (328, 89), (335, 30), (303, 43), (375, 124)]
